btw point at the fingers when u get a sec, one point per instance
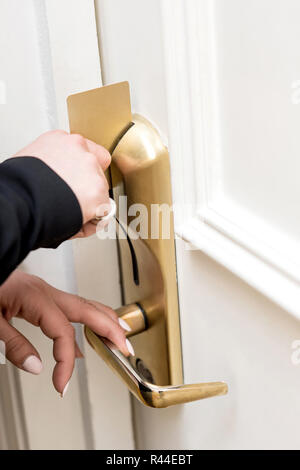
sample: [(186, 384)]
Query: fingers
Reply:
[(55, 325), (104, 308), (63, 336), (103, 325), (101, 153), (87, 230), (103, 156), (107, 328), (64, 354), (96, 316), (19, 350)]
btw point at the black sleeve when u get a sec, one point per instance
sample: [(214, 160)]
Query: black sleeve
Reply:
[(37, 209)]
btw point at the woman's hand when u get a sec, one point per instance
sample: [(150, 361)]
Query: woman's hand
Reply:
[(53, 310), (81, 164)]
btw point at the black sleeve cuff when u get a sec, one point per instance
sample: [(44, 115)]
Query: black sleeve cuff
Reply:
[(52, 209)]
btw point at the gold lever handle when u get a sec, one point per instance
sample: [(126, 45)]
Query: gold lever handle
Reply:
[(146, 392)]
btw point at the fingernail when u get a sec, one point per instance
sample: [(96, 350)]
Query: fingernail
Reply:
[(130, 347), (107, 211), (65, 390), (124, 325), (33, 365)]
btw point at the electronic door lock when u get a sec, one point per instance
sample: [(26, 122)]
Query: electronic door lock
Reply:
[(140, 171)]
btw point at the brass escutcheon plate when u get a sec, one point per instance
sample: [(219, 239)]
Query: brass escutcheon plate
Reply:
[(141, 171)]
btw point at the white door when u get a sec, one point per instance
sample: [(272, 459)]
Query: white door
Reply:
[(49, 49), (220, 79)]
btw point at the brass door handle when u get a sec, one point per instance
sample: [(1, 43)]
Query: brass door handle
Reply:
[(140, 173), (131, 372)]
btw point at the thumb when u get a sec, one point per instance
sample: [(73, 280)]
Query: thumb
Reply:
[(19, 350)]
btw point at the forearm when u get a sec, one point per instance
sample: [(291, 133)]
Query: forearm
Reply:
[(37, 209)]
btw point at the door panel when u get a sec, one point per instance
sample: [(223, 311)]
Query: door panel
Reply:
[(220, 81), (229, 332), (105, 404), (219, 77), (136, 55), (257, 66), (29, 110), (55, 53)]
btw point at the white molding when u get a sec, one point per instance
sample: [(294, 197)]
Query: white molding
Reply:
[(13, 433), (257, 253), (265, 278), (275, 248)]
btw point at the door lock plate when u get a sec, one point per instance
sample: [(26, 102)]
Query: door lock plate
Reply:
[(140, 170), (141, 185)]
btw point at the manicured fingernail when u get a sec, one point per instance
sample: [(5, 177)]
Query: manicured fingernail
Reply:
[(124, 325), (130, 347), (33, 365), (65, 390)]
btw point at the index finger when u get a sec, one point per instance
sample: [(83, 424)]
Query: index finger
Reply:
[(100, 152), (80, 310)]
